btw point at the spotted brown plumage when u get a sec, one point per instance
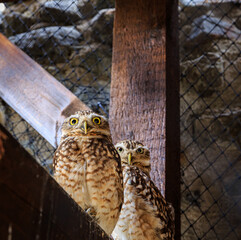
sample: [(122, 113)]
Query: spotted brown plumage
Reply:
[(88, 167), (145, 214)]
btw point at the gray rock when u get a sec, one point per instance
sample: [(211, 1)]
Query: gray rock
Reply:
[(95, 57), (63, 11), (223, 125), (211, 70), (206, 27), (101, 4), (238, 23), (100, 27), (57, 42), (15, 22), (86, 8), (205, 2), (208, 83)]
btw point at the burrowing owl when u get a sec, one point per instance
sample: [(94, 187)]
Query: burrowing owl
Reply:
[(88, 167), (145, 213)]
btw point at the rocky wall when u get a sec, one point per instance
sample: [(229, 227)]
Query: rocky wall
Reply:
[(72, 39), (210, 43)]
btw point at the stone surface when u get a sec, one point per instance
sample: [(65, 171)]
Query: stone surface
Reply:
[(15, 22), (87, 8), (226, 11), (60, 12), (100, 27), (198, 3), (210, 120), (53, 41), (89, 65), (19, 17), (206, 27), (100, 4)]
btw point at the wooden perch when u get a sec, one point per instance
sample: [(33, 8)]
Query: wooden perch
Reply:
[(33, 205), (33, 93), (145, 87)]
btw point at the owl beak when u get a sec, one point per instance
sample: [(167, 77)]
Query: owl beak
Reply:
[(85, 127), (129, 159)]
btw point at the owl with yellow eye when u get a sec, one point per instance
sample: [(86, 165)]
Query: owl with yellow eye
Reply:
[(88, 167), (145, 214)]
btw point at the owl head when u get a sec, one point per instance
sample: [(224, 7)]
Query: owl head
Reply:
[(134, 153), (86, 124)]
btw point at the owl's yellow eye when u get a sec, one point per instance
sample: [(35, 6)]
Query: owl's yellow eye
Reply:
[(97, 120), (73, 121), (140, 150), (120, 149)]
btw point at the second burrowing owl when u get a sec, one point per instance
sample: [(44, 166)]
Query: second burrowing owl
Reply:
[(88, 167), (145, 214)]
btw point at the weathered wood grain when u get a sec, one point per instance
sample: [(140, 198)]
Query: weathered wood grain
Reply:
[(138, 87), (33, 93), (33, 205), (145, 87)]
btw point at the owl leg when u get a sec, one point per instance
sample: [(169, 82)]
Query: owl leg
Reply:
[(91, 211)]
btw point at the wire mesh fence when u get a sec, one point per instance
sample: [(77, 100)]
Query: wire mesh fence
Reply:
[(72, 39), (210, 43)]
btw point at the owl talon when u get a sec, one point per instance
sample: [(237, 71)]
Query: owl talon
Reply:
[(91, 211)]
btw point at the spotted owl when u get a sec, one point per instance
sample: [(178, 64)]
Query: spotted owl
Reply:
[(88, 167), (145, 213)]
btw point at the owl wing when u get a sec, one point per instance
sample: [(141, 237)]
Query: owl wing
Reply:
[(147, 190), (116, 156), (69, 170)]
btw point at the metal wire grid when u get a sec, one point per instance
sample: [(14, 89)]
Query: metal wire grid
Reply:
[(210, 120), (206, 212), (77, 53)]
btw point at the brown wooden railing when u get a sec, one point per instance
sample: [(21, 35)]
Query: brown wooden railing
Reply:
[(32, 204)]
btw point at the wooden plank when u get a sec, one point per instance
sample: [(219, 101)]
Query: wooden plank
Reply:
[(33, 93), (138, 87), (33, 205), (145, 87), (173, 174)]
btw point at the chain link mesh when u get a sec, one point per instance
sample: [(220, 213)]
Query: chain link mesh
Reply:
[(210, 43), (72, 39)]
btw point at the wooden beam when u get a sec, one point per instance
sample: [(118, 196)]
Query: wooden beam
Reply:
[(32, 204), (173, 174), (33, 93), (145, 87)]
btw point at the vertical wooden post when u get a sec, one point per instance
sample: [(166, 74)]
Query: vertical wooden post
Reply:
[(144, 88), (173, 175)]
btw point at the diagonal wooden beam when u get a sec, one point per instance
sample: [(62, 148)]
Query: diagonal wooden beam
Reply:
[(33, 93), (145, 87), (33, 205)]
